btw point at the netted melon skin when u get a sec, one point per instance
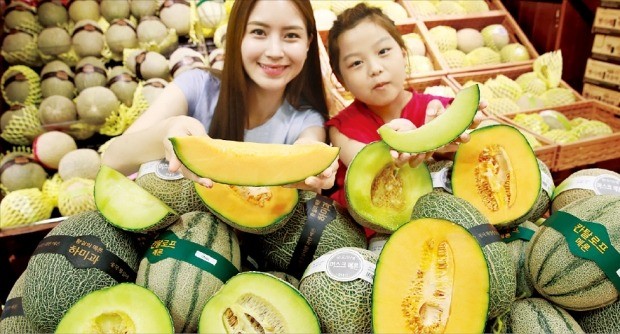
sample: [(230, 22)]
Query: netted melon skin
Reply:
[(55, 285), (18, 323), (342, 307), (180, 194)]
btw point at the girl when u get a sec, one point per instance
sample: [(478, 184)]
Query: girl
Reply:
[(263, 96), (368, 56)]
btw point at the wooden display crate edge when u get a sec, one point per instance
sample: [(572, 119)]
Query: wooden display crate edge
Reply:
[(590, 150)]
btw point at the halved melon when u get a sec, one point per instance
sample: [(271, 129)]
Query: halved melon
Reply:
[(123, 308), (252, 164), (431, 277), (257, 210), (256, 302), (442, 130), (497, 172), (380, 195), (128, 206)]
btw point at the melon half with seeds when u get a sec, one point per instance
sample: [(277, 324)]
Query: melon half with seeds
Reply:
[(124, 308), (259, 303)]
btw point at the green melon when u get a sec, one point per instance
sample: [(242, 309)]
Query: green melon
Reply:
[(55, 284), (61, 83), (20, 171), (123, 84), (13, 318), (517, 240), (178, 193), (127, 206), (537, 315), (57, 109), (24, 206), (259, 303), (90, 72), (114, 9), (83, 162), (183, 286), (530, 82), (580, 184), (572, 282), (274, 251), (53, 41), (75, 196), (444, 37), (123, 308), (52, 14), (95, 104), (483, 56), (285, 277), (381, 195), (501, 272), (341, 297), (603, 320), (441, 130), (84, 10)]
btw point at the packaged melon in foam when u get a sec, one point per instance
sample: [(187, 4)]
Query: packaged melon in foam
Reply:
[(114, 9), (495, 36), (483, 56), (52, 14), (176, 16), (514, 52), (83, 162), (53, 41), (84, 10), (57, 109), (445, 37), (76, 195), (469, 39), (121, 35), (23, 207), (19, 170), (88, 39), (57, 79), (89, 72)]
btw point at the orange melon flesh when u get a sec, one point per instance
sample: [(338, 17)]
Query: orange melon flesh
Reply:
[(431, 277), (249, 209), (516, 161), (252, 164)]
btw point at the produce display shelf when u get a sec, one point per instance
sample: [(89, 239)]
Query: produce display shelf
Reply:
[(590, 150), (495, 7), (42, 225), (515, 34)]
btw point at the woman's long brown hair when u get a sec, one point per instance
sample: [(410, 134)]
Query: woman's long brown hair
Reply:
[(230, 115)]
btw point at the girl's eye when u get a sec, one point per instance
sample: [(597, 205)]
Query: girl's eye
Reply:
[(384, 51), (257, 32), (355, 63)]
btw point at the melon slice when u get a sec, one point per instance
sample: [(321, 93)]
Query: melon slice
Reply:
[(259, 303), (430, 289), (127, 206), (257, 210), (380, 195), (252, 164), (440, 131), (498, 173), (123, 308)]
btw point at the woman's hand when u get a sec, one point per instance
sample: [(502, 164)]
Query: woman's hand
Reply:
[(325, 180), (401, 158), (181, 126)]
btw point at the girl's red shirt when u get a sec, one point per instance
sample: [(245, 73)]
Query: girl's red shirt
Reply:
[(359, 123)]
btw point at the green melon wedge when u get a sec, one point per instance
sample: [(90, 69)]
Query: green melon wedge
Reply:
[(256, 302), (442, 130), (128, 206), (252, 164), (123, 308)]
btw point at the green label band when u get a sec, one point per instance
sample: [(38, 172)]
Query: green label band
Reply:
[(590, 241), (169, 246), (518, 233)]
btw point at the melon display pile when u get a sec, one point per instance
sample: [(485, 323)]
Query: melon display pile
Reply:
[(474, 242)]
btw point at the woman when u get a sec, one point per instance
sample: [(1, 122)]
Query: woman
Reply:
[(270, 91)]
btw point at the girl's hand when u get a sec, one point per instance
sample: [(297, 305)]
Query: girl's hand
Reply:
[(401, 158), (181, 126), (325, 180)]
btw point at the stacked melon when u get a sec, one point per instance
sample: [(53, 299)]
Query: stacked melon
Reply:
[(492, 45), (555, 126)]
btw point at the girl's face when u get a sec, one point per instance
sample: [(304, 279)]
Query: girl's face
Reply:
[(372, 64), (275, 44)]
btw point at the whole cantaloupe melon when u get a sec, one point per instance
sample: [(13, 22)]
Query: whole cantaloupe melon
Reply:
[(83, 162), (581, 184), (49, 147)]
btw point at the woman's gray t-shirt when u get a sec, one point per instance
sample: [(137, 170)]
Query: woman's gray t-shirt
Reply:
[(202, 91)]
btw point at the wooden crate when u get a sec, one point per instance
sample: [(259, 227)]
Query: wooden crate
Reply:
[(515, 34), (342, 98), (495, 7), (405, 27), (460, 79), (590, 150)]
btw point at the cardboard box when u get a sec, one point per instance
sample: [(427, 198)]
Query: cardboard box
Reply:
[(606, 95), (602, 73), (606, 47), (606, 21)]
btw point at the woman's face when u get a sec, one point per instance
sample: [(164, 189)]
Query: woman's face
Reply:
[(275, 44)]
